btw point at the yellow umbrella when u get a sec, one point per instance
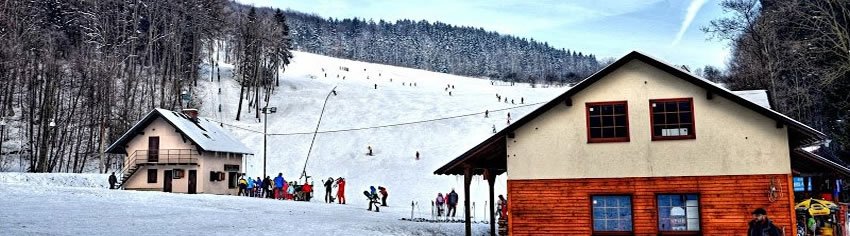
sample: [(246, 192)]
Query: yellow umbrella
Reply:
[(816, 207)]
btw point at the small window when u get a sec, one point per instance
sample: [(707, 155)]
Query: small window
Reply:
[(612, 214), (607, 122), (152, 176), (678, 212), (672, 118)]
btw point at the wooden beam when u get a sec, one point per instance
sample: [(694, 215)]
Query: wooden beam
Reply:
[(709, 95), (467, 180), (491, 180), (511, 135), (779, 125), (569, 102)]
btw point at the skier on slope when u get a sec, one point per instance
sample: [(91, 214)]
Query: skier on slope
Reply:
[(372, 195), (340, 192), (417, 155), (328, 186)]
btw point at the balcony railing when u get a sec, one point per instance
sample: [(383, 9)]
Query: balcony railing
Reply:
[(164, 156)]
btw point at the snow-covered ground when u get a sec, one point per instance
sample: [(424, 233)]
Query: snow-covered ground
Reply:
[(38, 204), (304, 87)]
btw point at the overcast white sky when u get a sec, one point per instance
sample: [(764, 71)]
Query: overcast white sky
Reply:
[(667, 29)]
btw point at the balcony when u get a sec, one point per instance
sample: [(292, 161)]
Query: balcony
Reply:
[(163, 157)]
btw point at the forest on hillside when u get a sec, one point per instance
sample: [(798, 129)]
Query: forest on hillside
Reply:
[(440, 47), (74, 75), (799, 51)]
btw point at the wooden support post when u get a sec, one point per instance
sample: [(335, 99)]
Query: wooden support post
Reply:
[(491, 180), (467, 180)]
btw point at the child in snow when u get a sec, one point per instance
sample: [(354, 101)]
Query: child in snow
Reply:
[(440, 203)]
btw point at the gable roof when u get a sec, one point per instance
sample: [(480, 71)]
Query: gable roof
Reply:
[(207, 135), (799, 133)]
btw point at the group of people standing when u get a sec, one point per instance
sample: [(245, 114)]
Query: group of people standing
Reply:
[(339, 184), (277, 188), (449, 201)]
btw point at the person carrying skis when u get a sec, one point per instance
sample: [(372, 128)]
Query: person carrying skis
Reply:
[(112, 180), (328, 186), (440, 204), (383, 192), (278, 186), (340, 192), (452, 203)]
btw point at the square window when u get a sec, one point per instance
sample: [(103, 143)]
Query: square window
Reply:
[(152, 176), (678, 212), (607, 122), (674, 121), (612, 213)]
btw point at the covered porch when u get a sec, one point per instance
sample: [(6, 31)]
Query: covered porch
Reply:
[(487, 159)]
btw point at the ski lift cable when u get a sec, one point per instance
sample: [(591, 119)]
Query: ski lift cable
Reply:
[(380, 126)]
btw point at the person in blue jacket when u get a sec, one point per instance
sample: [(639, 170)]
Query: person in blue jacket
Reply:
[(278, 186), (250, 187)]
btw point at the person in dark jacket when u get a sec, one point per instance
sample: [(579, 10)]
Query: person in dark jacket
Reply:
[(452, 202), (383, 192), (329, 198), (761, 225), (267, 186), (112, 180)]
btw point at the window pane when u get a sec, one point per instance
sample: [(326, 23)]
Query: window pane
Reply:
[(658, 119), (607, 121), (657, 107), (595, 132), (684, 106), (670, 107), (621, 132), (612, 213), (671, 118), (620, 120), (608, 132), (607, 110), (678, 212), (593, 110), (595, 121), (685, 117), (619, 109)]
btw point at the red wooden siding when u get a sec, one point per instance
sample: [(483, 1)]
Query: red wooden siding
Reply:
[(562, 206)]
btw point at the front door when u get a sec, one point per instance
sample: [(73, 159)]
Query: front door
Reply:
[(166, 185), (153, 149), (193, 181)]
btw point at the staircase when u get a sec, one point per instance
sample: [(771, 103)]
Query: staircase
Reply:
[(140, 158)]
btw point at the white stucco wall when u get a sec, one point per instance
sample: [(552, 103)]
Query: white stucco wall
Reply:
[(730, 139)]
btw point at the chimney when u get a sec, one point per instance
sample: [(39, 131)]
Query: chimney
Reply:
[(191, 113)]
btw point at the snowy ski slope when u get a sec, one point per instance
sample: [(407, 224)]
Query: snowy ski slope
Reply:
[(303, 89)]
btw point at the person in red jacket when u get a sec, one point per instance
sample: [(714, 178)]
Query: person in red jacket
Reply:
[(307, 189), (383, 192), (340, 192)]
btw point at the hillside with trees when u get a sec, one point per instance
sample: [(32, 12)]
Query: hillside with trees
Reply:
[(800, 52), (440, 47)]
